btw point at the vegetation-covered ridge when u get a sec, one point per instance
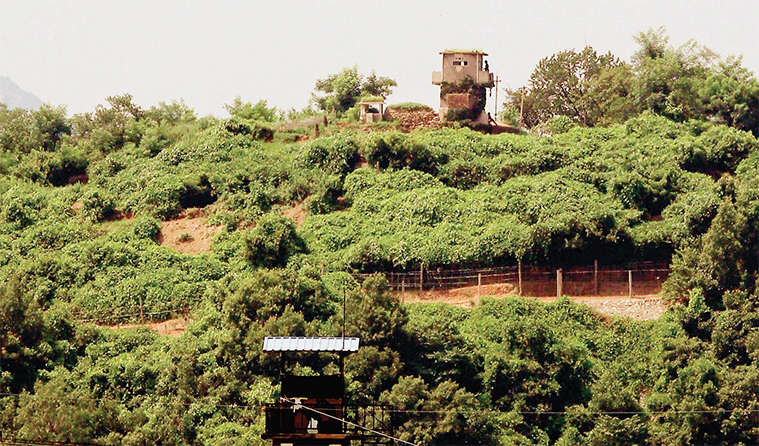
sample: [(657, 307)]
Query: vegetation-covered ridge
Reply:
[(82, 198), (686, 82)]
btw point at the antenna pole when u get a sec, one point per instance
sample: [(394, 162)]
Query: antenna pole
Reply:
[(342, 350), (344, 315), (495, 109)]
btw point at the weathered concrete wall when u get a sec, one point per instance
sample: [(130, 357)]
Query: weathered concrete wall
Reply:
[(466, 65), (459, 100)]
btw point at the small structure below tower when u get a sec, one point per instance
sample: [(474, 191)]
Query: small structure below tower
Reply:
[(312, 410), (372, 109)]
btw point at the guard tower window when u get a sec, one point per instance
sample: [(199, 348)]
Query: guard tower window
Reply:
[(460, 63)]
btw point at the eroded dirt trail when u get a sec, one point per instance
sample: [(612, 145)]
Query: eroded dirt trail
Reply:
[(643, 307)]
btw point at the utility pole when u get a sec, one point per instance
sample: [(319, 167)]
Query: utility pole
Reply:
[(495, 109)]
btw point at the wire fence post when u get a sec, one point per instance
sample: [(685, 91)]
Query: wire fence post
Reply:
[(479, 288), (559, 282), (142, 311), (630, 283), (421, 276), (595, 277), (403, 291), (519, 271)]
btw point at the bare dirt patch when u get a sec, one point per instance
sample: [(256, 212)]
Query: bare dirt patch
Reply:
[(638, 307), (297, 213), (189, 233), (172, 327)]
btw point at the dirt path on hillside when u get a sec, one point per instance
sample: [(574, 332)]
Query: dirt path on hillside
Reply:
[(642, 307), (172, 327)]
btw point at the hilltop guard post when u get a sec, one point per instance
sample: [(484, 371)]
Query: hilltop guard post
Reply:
[(463, 79), (372, 109), (312, 410)]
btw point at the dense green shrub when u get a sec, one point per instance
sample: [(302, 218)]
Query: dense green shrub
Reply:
[(336, 154), (97, 205), (271, 243), (256, 130), (147, 228), (397, 150), (327, 196), (410, 106)]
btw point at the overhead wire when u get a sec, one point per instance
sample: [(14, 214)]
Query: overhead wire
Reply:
[(350, 423), (20, 442), (445, 412)]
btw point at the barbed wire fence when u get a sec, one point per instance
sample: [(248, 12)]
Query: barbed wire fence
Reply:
[(132, 314), (637, 279)]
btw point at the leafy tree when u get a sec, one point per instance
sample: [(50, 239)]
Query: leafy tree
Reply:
[(376, 316), (260, 111), (343, 90), (371, 371), (109, 128), (445, 414), (682, 83), (668, 79), (439, 351), (568, 84), (22, 329), (612, 90), (62, 410), (715, 264), (174, 112), (31, 339), (731, 95), (52, 125), (23, 131)]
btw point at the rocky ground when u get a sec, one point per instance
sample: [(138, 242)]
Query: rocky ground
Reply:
[(413, 119)]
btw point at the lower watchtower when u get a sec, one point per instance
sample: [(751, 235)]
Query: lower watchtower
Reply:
[(313, 410)]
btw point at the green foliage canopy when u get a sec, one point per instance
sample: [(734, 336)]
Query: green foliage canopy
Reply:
[(343, 90)]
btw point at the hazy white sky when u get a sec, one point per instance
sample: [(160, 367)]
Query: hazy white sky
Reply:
[(207, 52)]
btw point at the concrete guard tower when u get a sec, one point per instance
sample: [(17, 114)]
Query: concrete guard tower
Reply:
[(463, 79), (312, 410)]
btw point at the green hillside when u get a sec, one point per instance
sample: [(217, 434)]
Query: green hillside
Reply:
[(82, 199)]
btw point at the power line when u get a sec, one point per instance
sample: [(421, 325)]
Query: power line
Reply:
[(20, 442), (444, 412), (563, 412), (113, 400), (350, 423)]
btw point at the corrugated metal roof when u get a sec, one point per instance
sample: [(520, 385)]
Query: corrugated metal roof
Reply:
[(309, 344)]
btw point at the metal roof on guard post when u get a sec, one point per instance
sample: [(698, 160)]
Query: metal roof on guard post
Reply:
[(310, 344)]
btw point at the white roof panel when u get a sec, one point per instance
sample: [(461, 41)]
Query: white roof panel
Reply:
[(310, 344)]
